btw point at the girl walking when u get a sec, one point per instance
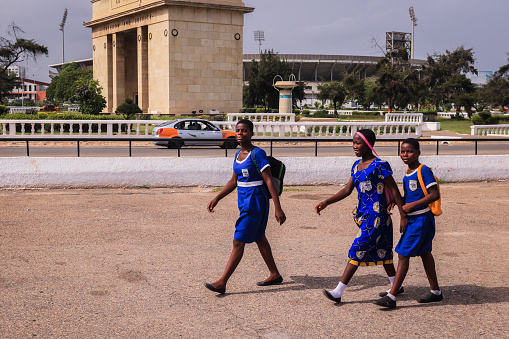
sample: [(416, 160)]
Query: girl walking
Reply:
[(253, 202), (419, 232), (373, 244)]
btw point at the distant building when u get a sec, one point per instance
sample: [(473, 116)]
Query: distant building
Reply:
[(29, 89), (19, 71), (481, 78)]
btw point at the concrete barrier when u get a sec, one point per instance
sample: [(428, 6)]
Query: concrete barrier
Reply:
[(89, 172)]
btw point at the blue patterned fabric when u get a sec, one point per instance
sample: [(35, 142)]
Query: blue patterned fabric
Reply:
[(373, 244), (253, 202)]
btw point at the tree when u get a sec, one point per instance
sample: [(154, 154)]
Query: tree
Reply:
[(129, 109), (496, 90), (88, 95), (298, 93), (396, 79), (445, 78), (357, 89), (14, 50), (63, 86), (332, 91), (260, 78)]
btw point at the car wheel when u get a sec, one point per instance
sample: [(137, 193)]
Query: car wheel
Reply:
[(232, 144), (174, 144)]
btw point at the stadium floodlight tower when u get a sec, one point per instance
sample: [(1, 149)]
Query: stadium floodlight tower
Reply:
[(259, 36), (62, 24), (414, 20)]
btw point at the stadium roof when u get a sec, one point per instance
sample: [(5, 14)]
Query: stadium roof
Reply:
[(316, 67)]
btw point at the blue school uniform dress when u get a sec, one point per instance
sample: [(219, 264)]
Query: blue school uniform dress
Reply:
[(373, 244), (253, 197), (420, 229)]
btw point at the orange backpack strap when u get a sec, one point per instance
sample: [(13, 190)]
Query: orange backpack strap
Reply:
[(421, 181)]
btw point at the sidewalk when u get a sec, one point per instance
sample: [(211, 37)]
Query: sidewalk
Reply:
[(131, 263)]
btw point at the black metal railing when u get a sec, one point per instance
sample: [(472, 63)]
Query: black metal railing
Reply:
[(314, 141)]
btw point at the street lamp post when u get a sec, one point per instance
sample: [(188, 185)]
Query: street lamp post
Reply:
[(259, 36), (414, 20), (62, 24)]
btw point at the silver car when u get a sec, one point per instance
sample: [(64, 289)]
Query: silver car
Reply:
[(195, 131)]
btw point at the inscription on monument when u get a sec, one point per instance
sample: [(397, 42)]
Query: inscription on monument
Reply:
[(120, 3)]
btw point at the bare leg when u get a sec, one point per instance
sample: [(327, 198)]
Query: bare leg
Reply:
[(389, 269), (348, 273), (403, 264), (267, 256), (429, 267), (233, 262)]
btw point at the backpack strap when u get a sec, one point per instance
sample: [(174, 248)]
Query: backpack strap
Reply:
[(421, 181), (252, 155)]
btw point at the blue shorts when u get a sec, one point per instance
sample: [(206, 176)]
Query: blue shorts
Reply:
[(254, 206), (418, 235)]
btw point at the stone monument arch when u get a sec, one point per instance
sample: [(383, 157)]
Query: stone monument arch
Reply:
[(169, 56)]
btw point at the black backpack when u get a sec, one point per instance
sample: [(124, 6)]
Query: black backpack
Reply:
[(277, 169)]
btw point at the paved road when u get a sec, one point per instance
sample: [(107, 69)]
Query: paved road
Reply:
[(290, 149), (131, 263)]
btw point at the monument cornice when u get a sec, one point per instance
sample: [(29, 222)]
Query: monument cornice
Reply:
[(163, 3)]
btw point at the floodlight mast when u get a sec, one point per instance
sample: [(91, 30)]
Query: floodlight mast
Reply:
[(62, 24), (259, 36), (414, 20)]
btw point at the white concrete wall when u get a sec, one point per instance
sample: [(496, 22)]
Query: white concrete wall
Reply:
[(88, 172)]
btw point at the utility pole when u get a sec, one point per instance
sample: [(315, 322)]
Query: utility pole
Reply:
[(62, 24), (414, 20)]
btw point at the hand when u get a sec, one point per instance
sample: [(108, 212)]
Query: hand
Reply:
[(407, 208), (211, 205), (320, 207), (402, 223), (390, 207), (280, 216)]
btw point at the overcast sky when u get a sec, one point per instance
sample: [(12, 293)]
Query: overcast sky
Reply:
[(299, 27)]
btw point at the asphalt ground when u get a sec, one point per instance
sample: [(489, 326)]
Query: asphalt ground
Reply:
[(131, 263)]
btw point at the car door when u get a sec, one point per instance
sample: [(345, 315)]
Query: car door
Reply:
[(188, 130), (210, 131)]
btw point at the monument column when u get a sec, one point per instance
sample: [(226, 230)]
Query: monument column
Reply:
[(118, 70), (142, 47)]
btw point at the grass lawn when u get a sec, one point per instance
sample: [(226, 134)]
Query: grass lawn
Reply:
[(459, 126)]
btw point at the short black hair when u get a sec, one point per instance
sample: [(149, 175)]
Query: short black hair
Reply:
[(369, 135), (413, 142), (248, 123)]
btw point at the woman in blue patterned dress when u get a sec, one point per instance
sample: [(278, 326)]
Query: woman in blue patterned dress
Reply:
[(373, 244), (253, 203)]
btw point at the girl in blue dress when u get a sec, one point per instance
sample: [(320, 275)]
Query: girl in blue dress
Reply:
[(419, 232), (253, 202), (373, 244)]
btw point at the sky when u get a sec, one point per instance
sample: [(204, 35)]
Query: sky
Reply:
[(334, 27)]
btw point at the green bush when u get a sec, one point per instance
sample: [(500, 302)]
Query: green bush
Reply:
[(477, 120), (321, 114), (491, 121), (3, 110), (484, 115)]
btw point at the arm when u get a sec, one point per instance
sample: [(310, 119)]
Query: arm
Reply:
[(346, 191), (389, 181), (433, 195), (227, 189), (280, 215)]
